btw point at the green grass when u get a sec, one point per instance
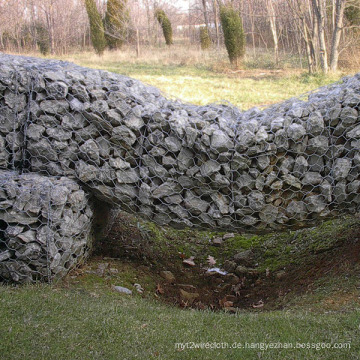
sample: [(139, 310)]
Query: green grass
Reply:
[(85, 319), (197, 83), (43, 322)]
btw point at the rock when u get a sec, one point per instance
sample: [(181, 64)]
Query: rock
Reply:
[(168, 276), (194, 204), (54, 107), (232, 279), (244, 258), (209, 168), (220, 142), (242, 271), (256, 200), (296, 210), (315, 203), (341, 168), (295, 132), (217, 241), (122, 290), (315, 124), (188, 297), (354, 133), (312, 178), (228, 236), (318, 145)]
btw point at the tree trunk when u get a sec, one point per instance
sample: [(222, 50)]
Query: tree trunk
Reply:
[(272, 18), (338, 25), (319, 9), (217, 33)]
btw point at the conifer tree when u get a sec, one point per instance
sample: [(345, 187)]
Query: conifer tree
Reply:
[(116, 22), (234, 34), (42, 38), (165, 25), (96, 27), (205, 40)]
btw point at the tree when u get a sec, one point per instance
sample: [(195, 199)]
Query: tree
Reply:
[(96, 27), (272, 19), (115, 23), (338, 27), (165, 25), (42, 38), (205, 40), (234, 35)]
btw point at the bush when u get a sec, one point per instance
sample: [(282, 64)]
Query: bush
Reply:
[(96, 27), (166, 25), (116, 22), (42, 38), (233, 33), (205, 40)]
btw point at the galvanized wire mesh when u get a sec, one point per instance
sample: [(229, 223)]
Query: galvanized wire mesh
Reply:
[(288, 166)]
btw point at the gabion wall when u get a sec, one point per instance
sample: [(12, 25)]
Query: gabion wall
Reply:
[(288, 166), (45, 226)]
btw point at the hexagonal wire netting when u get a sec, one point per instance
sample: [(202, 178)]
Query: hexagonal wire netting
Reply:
[(69, 134)]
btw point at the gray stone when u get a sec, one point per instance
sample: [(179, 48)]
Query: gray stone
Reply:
[(296, 210), (220, 141), (268, 214), (295, 132), (348, 116), (55, 107), (315, 124), (194, 204), (209, 168), (166, 189), (341, 168), (318, 145), (90, 150), (315, 203), (122, 290), (312, 178), (256, 200), (123, 135), (354, 133)]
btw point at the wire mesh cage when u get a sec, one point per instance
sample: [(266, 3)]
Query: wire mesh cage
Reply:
[(291, 165)]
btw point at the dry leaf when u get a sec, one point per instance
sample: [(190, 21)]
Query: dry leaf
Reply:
[(189, 261), (259, 304), (211, 261), (228, 304), (159, 289)]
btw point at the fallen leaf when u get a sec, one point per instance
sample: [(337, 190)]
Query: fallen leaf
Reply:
[(159, 289), (259, 304), (189, 261), (211, 261), (228, 304)]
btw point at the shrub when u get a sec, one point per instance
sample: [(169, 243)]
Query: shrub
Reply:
[(165, 25), (205, 40), (42, 38), (234, 35), (116, 22), (96, 27)]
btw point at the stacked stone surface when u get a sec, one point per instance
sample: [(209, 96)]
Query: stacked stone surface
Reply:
[(288, 166), (45, 226)]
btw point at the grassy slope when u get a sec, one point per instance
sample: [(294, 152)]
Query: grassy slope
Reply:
[(195, 81), (41, 322), (89, 321)]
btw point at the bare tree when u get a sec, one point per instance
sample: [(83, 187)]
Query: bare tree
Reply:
[(338, 24)]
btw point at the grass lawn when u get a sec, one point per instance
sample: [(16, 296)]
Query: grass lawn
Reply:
[(202, 81), (45, 322), (83, 318)]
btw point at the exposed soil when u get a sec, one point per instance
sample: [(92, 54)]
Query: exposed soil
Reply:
[(196, 288)]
